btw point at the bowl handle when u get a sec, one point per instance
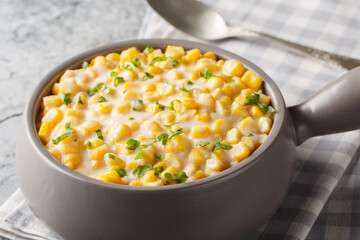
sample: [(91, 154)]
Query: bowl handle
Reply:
[(335, 108)]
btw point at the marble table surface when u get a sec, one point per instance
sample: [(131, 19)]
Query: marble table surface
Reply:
[(37, 35)]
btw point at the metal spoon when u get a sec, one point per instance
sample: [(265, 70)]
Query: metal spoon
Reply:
[(196, 19)]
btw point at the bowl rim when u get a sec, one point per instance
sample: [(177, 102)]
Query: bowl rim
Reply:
[(33, 105)]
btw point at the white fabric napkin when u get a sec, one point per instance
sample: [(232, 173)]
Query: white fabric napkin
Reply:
[(323, 201)]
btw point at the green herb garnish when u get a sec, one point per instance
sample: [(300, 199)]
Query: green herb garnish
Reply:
[(121, 172), (147, 76), (113, 74), (250, 135), (79, 101), (181, 177), (142, 169), (102, 99), (136, 105), (170, 124), (66, 98), (164, 137), (202, 144), (88, 143), (95, 89), (99, 134), (85, 65), (160, 106), (136, 62), (173, 62), (68, 132), (128, 67), (187, 90), (168, 176), (158, 157), (253, 99), (131, 118), (148, 49), (172, 108), (218, 145), (207, 74), (112, 156), (158, 170), (133, 144), (118, 80), (157, 59)]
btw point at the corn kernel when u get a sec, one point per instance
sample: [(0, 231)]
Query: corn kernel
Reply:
[(233, 68), (53, 116), (222, 107), (110, 176), (209, 55), (52, 101), (92, 125), (165, 90), (117, 162), (238, 110), (99, 152), (136, 183), (264, 99), (199, 175), (249, 125), (118, 132), (200, 131), (265, 124), (45, 131), (55, 89), (240, 151), (214, 83), (203, 117), (150, 128), (113, 57), (174, 74), (56, 153), (196, 156), (208, 63), (150, 87), (215, 165), (256, 112), (189, 103), (74, 113), (176, 144), (123, 108), (234, 136), (68, 85), (192, 55), (252, 79), (129, 85), (249, 143), (149, 177), (104, 107), (206, 100), (221, 126), (74, 159), (154, 70), (73, 147), (128, 55), (133, 125), (130, 96), (175, 52)]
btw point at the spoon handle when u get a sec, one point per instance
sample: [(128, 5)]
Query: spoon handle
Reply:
[(333, 60)]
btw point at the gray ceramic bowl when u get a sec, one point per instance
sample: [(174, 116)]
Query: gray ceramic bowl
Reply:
[(228, 205)]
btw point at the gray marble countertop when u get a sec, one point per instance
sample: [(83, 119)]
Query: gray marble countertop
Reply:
[(37, 35)]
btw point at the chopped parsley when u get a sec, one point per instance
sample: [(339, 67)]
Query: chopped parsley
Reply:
[(250, 135), (133, 144), (95, 89), (112, 156), (147, 76), (79, 101), (68, 132), (253, 99), (118, 80), (170, 124), (168, 176), (128, 67), (148, 49), (158, 170), (131, 118), (173, 62), (102, 99), (121, 172), (136, 62), (157, 59), (172, 108), (158, 157), (189, 83), (113, 74), (85, 65), (142, 169), (66, 98), (202, 144), (207, 74), (164, 137), (136, 105), (160, 106), (218, 145), (99, 134), (88, 144), (181, 177)]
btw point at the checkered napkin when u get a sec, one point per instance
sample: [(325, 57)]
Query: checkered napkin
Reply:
[(324, 199)]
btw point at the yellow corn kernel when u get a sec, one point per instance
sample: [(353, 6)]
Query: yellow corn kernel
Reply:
[(196, 156), (220, 153), (74, 159), (148, 155), (73, 113), (149, 177), (220, 64), (175, 52), (99, 152), (73, 147), (222, 107), (206, 100), (174, 74), (130, 96), (113, 57), (171, 170), (214, 83), (238, 110), (203, 63), (246, 92), (123, 107), (215, 165), (165, 90), (203, 117), (133, 125), (256, 112), (142, 138), (56, 153), (91, 72), (200, 131), (128, 55), (104, 107), (233, 68), (199, 175), (221, 126), (192, 55), (129, 85), (176, 144), (189, 103), (83, 131), (68, 85), (110, 176), (228, 90), (249, 143), (209, 55), (150, 87), (92, 125), (118, 132), (234, 136), (52, 101), (150, 96), (249, 125), (45, 131), (120, 149), (240, 151), (252, 80), (136, 183), (100, 61), (96, 142), (150, 128), (152, 108), (117, 162), (53, 116), (265, 124), (131, 165), (154, 70), (264, 99), (217, 93), (165, 117), (55, 89), (193, 76)]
